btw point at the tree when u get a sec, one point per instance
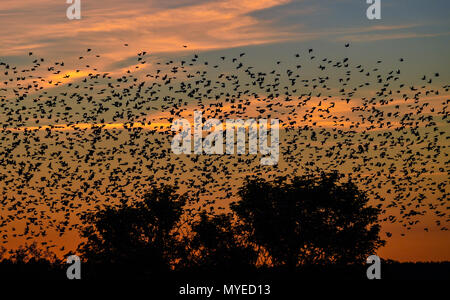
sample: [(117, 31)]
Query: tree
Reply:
[(309, 220), (138, 238)]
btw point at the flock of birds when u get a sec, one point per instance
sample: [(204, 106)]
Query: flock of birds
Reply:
[(74, 138)]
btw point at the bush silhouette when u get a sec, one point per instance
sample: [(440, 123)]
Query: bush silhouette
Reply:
[(29, 262), (309, 220)]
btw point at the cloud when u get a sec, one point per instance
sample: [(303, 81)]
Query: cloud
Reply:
[(165, 26), (107, 25)]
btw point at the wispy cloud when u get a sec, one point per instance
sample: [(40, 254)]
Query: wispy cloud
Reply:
[(165, 26), (106, 24)]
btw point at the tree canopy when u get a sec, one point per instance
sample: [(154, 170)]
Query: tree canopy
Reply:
[(306, 220), (309, 219)]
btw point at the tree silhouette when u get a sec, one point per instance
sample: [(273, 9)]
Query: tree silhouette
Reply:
[(139, 238), (309, 220)]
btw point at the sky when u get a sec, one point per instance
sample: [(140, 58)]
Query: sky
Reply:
[(270, 30), (419, 29)]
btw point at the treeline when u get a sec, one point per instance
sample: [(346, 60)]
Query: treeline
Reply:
[(310, 226)]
